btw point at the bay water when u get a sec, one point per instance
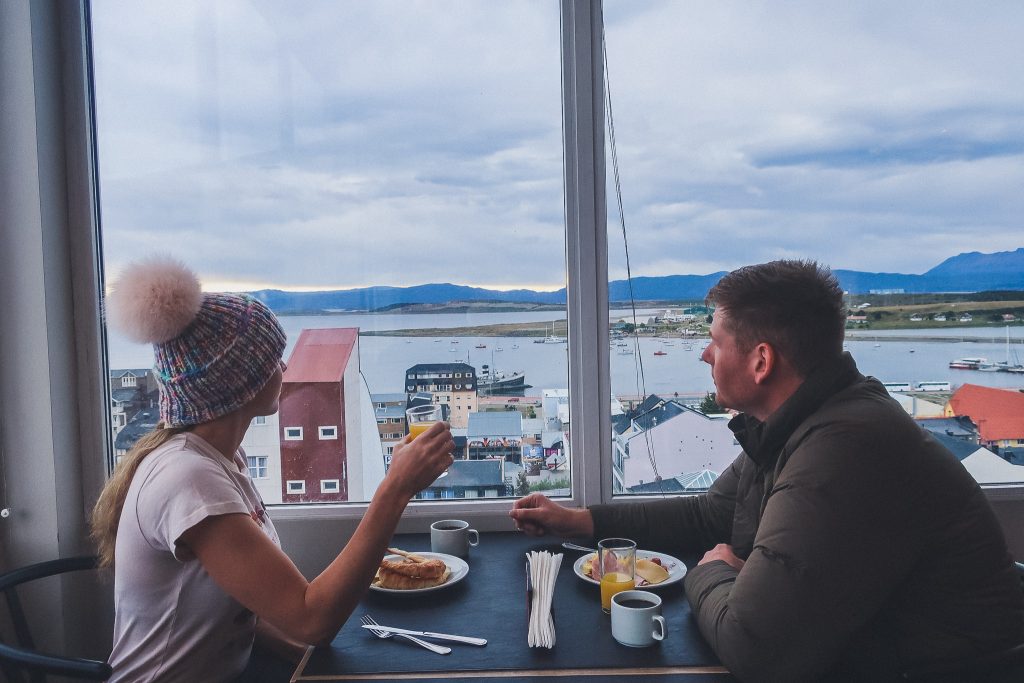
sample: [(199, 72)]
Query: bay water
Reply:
[(383, 360)]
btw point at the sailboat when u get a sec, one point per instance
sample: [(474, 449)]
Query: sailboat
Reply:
[(551, 338), (1004, 365)]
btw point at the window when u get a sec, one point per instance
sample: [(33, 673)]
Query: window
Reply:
[(128, 381), (296, 486), (260, 420), (258, 466), (771, 154), (329, 485), (408, 137), (682, 193)]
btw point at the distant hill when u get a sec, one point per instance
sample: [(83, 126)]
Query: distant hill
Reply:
[(970, 272)]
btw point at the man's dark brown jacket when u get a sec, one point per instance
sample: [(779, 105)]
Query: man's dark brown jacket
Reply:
[(869, 548)]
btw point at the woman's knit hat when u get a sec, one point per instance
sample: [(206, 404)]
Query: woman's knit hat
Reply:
[(214, 352)]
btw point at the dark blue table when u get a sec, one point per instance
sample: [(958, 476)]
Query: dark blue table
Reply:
[(490, 603)]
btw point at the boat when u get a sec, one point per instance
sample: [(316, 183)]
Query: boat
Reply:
[(626, 352), (489, 381), (453, 350), (515, 346), (1006, 365), (968, 363), (551, 338), (481, 346), (660, 353), (498, 348)]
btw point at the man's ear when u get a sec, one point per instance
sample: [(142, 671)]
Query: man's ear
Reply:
[(765, 362)]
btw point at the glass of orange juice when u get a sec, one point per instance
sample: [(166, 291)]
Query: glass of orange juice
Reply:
[(616, 564), (422, 418)]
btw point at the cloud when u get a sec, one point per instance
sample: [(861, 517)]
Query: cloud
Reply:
[(342, 144)]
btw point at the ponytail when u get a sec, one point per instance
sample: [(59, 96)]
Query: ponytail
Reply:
[(106, 515)]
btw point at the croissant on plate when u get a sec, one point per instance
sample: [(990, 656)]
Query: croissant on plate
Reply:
[(411, 572)]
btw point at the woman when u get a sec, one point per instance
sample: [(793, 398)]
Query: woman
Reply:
[(198, 569)]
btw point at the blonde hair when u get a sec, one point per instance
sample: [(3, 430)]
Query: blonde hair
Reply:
[(106, 515)]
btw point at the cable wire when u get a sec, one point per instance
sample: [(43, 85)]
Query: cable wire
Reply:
[(638, 357)]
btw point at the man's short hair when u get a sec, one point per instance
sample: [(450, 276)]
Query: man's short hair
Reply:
[(794, 305)]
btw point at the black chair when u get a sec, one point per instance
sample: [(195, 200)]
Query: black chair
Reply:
[(22, 658)]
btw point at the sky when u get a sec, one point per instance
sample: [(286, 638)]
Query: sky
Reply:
[(336, 144)]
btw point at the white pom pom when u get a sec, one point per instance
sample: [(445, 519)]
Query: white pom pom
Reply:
[(154, 300)]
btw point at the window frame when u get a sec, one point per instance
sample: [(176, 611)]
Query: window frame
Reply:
[(287, 437), (322, 432)]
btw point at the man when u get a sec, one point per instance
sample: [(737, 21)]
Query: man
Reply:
[(844, 541)]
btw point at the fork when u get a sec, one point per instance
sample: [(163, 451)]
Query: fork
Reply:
[(368, 621)]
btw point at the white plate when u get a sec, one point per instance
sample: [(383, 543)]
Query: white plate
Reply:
[(456, 566), (676, 569)]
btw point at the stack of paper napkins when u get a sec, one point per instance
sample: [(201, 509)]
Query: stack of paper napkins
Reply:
[(542, 571)]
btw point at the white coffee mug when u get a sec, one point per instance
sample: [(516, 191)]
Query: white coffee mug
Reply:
[(453, 537), (636, 618)]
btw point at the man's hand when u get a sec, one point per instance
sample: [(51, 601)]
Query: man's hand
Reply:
[(723, 552), (537, 515)]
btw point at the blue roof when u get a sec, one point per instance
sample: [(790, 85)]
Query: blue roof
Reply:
[(958, 447)]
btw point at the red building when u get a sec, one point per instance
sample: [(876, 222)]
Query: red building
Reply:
[(320, 419)]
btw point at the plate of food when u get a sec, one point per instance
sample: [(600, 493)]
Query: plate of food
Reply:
[(410, 573), (653, 570)]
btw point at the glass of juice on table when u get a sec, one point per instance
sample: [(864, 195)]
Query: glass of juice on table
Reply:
[(422, 418), (616, 565)]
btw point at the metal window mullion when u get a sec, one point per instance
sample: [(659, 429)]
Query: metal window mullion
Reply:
[(586, 250)]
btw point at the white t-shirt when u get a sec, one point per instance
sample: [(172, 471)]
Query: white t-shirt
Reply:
[(172, 622)]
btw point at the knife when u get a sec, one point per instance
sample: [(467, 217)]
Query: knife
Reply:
[(427, 634)]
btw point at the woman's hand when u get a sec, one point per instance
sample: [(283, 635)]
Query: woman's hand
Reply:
[(416, 464)]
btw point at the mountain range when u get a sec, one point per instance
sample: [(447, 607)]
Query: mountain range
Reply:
[(968, 272)]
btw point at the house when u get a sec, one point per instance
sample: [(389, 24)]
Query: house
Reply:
[(262, 446), (453, 386), (662, 440), (691, 482), (959, 428), (389, 414), (999, 414), (985, 466), (324, 405), (917, 405), (140, 424), (470, 479), (130, 391), (495, 435)]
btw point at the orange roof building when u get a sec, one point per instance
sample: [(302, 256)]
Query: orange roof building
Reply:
[(999, 413)]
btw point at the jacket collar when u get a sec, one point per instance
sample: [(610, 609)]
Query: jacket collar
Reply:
[(762, 441)]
